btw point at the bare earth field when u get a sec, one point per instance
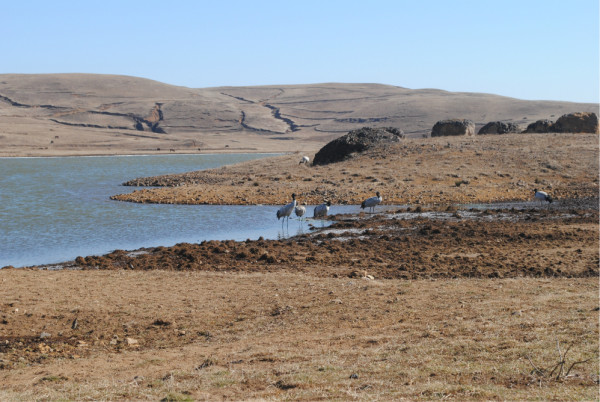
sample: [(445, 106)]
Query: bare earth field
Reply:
[(283, 335), (426, 299)]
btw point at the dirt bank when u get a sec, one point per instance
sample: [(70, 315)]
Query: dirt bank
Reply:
[(428, 171)]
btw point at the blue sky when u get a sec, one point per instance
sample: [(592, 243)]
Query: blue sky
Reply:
[(528, 49)]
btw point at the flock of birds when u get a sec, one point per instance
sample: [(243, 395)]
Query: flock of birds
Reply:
[(322, 210)]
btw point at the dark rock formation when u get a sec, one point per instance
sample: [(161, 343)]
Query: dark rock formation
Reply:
[(499, 127), (577, 123), (540, 126), (453, 127), (356, 141), (138, 125)]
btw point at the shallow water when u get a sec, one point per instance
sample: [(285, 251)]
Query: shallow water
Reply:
[(55, 209)]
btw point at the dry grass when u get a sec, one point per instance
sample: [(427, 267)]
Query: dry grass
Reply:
[(287, 337), (87, 114), (415, 171)]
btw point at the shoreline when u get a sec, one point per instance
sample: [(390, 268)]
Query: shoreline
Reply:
[(144, 154), (392, 213)]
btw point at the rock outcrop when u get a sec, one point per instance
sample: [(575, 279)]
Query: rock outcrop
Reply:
[(499, 127), (540, 126), (356, 141), (577, 123), (453, 127)]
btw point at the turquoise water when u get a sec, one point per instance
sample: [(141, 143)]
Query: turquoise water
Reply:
[(55, 209)]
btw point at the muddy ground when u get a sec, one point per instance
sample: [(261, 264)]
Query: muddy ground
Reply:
[(400, 245)]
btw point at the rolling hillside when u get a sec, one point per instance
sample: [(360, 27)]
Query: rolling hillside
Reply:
[(81, 114)]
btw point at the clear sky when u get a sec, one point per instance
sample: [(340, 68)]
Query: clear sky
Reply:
[(528, 49)]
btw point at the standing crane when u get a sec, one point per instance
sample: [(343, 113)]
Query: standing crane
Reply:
[(322, 210), (300, 210), (371, 202), (542, 196), (286, 210)]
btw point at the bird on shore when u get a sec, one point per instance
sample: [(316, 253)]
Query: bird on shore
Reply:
[(321, 210), (371, 202), (300, 210), (305, 159), (286, 210), (542, 196)]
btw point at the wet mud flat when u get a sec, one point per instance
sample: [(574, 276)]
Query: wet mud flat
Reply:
[(497, 241)]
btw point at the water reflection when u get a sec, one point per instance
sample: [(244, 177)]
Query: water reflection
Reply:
[(298, 227)]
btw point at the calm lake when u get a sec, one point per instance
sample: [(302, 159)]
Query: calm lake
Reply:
[(55, 209)]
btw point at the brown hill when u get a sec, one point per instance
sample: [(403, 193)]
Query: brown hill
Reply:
[(70, 114)]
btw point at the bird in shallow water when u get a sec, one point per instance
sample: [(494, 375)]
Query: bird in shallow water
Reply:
[(300, 210), (542, 196), (371, 202), (286, 210), (321, 210)]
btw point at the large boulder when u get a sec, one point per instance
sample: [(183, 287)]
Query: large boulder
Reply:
[(499, 127), (453, 127), (577, 123), (540, 126), (356, 141)]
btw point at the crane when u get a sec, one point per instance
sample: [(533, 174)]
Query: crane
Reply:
[(371, 202), (322, 210), (286, 210)]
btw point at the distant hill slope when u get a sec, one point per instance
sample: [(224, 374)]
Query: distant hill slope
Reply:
[(64, 114)]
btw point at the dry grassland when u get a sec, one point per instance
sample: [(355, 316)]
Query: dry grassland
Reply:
[(431, 171), (207, 336)]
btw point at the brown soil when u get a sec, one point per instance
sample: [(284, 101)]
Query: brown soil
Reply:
[(279, 335)]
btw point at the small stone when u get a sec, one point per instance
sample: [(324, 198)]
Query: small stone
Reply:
[(131, 342), (45, 335)]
